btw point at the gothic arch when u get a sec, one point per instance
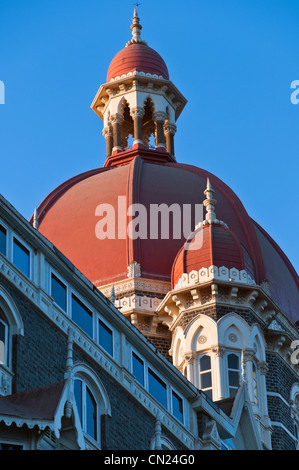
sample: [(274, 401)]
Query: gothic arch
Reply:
[(201, 333), (234, 331), (11, 312), (257, 342), (84, 372)]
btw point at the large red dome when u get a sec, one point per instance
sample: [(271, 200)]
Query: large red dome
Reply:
[(137, 58), (67, 218)]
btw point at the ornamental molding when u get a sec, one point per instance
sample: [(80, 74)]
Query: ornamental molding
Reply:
[(136, 73), (214, 273), (136, 284)]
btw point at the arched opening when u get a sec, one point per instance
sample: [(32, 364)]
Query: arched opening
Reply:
[(127, 130), (148, 125)]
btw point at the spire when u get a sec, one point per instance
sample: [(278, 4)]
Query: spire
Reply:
[(35, 219), (136, 28), (210, 203)]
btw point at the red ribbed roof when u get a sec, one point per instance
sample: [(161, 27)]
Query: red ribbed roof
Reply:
[(220, 247), (67, 218), (140, 58)]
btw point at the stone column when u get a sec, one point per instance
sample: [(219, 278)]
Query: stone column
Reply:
[(218, 376), (108, 134), (169, 131), (137, 115), (263, 369), (116, 121), (159, 119)]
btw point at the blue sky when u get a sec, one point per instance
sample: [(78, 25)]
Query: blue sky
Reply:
[(233, 60)]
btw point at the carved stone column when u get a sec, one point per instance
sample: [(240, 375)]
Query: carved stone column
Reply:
[(137, 115), (116, 121), (169, 131), (159, 119), (218, 386), (263, 369), (108, 134)]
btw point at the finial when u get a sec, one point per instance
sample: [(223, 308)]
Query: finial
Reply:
[(210, 202), (136, 28), (35, 219), (112, 300)]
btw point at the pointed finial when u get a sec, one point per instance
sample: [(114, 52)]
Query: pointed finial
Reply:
[(35, 219), (210, 202), (112, 300), (136, 28)]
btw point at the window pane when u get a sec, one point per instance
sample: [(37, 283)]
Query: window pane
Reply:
[(233, 378), (157, 388), (205, 363), (58, 292), (2, 240), (91, 414), (177, 407), (21, 257), (105, 338), (81, 315), (3, 330), (78, 396), (206, 380), (138, 368), (233, 361)]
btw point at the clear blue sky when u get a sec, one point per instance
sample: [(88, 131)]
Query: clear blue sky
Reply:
[(233, 60)]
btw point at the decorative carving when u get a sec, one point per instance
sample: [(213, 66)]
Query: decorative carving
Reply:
[(134, 269), (233, 337), (137, 112), (159, 116), (202, 339), (169, 128)]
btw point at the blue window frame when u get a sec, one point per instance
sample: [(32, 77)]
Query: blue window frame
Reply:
[(105, 338), (58, 292), (2, 240), (81, 315), (138, 368), (21, 257), (87, 408), (177, 407), (157, 388)]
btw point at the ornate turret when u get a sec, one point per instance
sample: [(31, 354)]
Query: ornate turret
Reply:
[(138, 101)]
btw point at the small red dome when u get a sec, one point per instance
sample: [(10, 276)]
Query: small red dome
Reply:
[(137, 58), (219, 247)]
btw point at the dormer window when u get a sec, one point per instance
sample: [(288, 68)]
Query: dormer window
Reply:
[(233, 371), (3, 341), (205, 373)]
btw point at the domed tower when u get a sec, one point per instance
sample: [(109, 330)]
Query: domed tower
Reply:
[(124, 225), (138, 100)]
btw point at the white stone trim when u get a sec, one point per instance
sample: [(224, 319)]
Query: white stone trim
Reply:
[(136, 73), (214, 273)]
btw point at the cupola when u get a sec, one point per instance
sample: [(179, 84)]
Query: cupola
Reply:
[(139, 105)]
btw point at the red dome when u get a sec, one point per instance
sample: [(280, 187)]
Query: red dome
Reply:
[(67, 218), (137, 58), (220, 247)]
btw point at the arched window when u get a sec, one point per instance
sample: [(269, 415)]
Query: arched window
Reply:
[(205, 375), (87, 408), (233, 373), (92, 401), (3, 339)]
